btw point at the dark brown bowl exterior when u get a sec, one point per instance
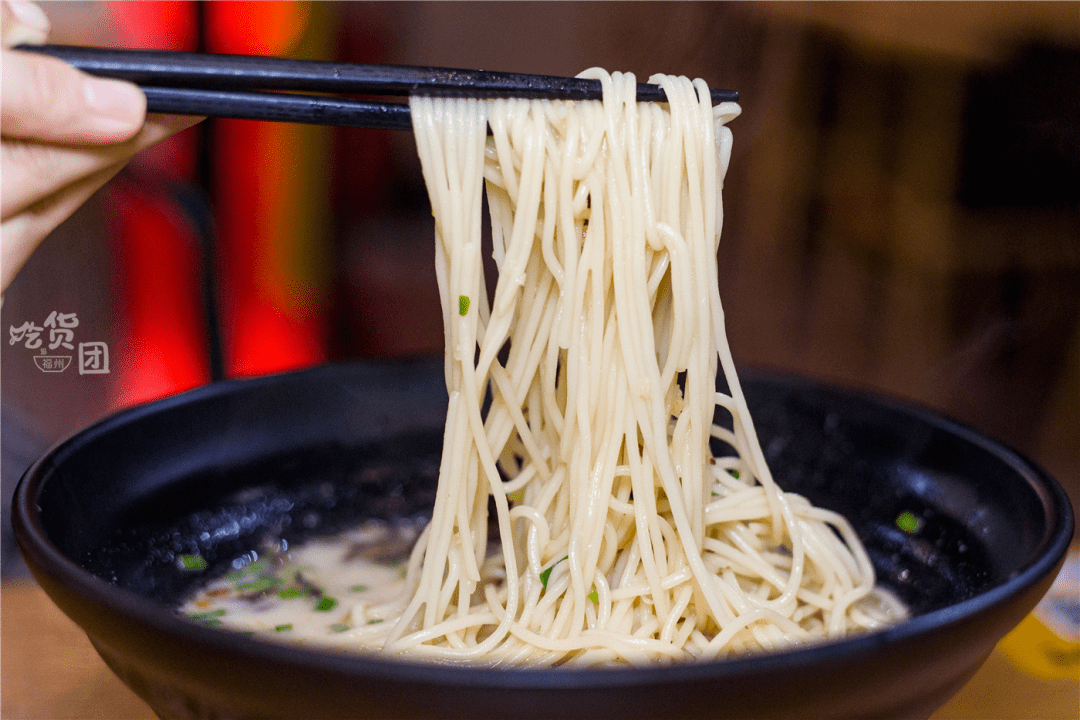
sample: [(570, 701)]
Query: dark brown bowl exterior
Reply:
[(996, 531)]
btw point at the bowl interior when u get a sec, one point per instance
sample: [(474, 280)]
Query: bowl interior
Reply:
[(309, 468)]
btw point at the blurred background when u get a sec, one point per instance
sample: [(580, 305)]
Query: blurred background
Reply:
[(902, 209), (902, 215)]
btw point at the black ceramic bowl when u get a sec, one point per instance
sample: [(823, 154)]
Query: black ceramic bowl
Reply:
[(102, 517)]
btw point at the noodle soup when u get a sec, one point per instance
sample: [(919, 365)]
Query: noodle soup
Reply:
[(338, 592), (582, 415)]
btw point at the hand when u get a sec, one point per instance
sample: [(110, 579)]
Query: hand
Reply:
[(63, 134)]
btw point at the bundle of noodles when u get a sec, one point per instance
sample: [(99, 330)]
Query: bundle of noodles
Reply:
[(623, 539)]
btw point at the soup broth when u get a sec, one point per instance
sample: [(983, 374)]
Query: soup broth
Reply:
[(324, 591)]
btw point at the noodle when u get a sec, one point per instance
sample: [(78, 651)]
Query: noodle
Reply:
[(626, 541), (581, 407)]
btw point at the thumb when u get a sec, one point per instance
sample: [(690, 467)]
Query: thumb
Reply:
[(45, 99)]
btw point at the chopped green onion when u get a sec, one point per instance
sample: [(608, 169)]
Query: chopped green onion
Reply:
[(545, 574), (236, 575), (255, 567), (734, 474), (283, 628), (339, 627), (358, 588), (259, 585), (192, 563), (463, 305), (326, 604), (209, 618), (376, 621), (594, 596), (294, 592), (909, 523)]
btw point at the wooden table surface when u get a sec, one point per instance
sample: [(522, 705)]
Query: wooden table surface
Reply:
[(51, 672)]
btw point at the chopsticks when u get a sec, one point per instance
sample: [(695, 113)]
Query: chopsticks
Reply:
[(280, 107), (234, 86)]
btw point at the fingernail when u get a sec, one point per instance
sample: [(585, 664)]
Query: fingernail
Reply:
[(29, 15), (117, 105)]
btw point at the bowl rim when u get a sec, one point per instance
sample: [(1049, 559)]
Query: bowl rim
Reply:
[(45, 559)]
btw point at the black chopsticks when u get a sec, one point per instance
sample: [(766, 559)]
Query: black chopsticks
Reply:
[(234, 85), (280, 107)]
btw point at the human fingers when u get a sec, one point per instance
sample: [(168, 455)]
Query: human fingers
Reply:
[(24, 229), (45, 99), (22, 22), (34, 170), (23, 232)]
